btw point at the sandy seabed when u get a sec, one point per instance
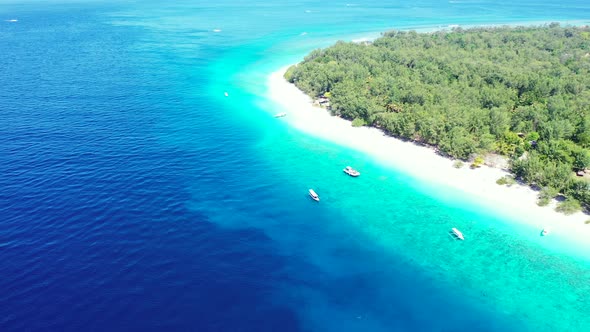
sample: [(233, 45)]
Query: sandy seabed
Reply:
[(424, 163)]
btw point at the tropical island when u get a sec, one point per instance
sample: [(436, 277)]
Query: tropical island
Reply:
[(518, 92)]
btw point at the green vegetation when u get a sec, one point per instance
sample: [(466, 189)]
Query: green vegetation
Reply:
[(358, 122), (522, 92), (458, 164), (506, 180), (546, 195), (543, 201), (477, 162), (569, 206)]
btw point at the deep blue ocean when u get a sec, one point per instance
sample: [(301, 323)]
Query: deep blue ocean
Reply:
[(135, 196)]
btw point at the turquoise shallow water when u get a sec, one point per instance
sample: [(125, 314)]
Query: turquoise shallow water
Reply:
[(137, 197)]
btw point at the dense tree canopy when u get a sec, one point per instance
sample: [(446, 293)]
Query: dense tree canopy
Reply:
[(523, 92)]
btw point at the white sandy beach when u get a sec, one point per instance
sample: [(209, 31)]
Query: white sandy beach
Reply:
[(424, 163)]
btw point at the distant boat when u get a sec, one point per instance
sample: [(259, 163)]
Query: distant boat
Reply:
[(545, 231), (280, 115), (226, 94), (458, 233), (313, 195), (351, 171)]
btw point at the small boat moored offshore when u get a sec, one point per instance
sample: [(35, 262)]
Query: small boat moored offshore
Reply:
[(313, 195), (351, 171), (545, 231), (458, 233), (280, 115), (226, 94)]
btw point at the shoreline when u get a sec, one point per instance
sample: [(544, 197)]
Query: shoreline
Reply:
[(423, 163)]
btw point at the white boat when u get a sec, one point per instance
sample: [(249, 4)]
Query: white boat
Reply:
[(280, 115), (313, 195), (458, 233), (545, 231), (351, 171), (226, 94)]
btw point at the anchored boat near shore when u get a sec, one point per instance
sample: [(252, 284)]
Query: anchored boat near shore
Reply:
[(351, 171), (313, 195), (458, 233)]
